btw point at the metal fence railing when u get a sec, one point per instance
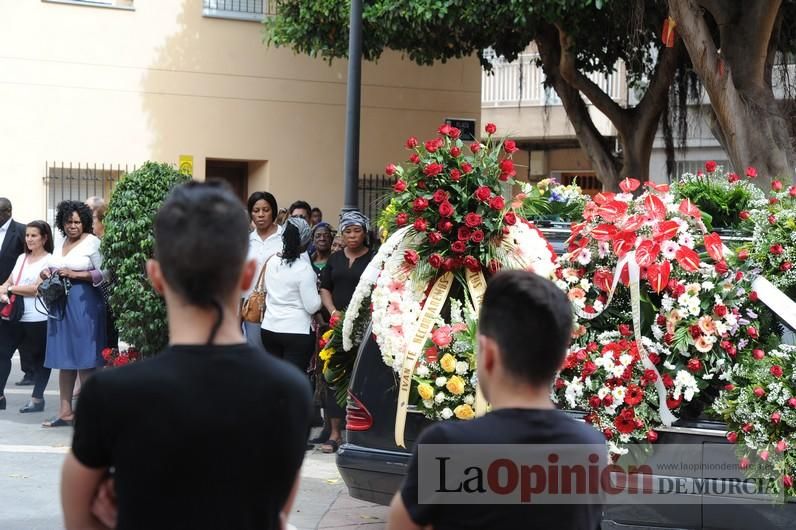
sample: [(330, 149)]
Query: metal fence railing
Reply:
[(240, 8), (68, 181), (374, 190)]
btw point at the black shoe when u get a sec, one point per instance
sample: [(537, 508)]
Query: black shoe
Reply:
[(32, 406), (322, 437), (26, 381)]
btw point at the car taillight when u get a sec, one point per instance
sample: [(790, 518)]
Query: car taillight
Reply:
[(357, 417)]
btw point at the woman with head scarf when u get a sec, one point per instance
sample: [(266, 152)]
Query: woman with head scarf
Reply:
[(291, 298), (339, 279)]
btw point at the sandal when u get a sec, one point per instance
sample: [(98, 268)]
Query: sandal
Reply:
[(330, 446), (57, 422)]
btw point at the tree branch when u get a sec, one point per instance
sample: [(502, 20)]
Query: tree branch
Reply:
[(654, 100), (571, 75)]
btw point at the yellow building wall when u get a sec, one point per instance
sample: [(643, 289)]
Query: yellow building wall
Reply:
[(97, 85)]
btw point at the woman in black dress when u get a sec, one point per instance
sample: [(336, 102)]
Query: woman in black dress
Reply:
[(339, 279)]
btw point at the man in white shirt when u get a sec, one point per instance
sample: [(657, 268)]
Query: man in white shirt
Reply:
[(12, 244)]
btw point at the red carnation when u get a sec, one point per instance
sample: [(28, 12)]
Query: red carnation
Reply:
[(433, 145), (510, 218), (594, 402), (776, 417), (732, 177), (472, 264), (444, 129), (107, 353), (440, 196), (751, 172), (472, 220), (506, 169), (781, 446), (434, 237), (776, 249), (652, 436), (720, 310), (786, 266), (776, 185), (435, 260), (744, 215), (411, 257), (483, 193), (455, 152), (776, 370), (624, 330), (710, 166), (787, 481), (752, 332), (753, 296), (497, 202), (446, 209), (411, 142), (454, 133), (747, 427), (608, 400), (743, 463), (414, 158), (490, 128), (668, 382), (792, 191), (743, 254), (467, 167), (694, 365), (721, 267), (634, 395), (399, 186), (419, 204), (401, 219), (772, 220), (477, 237), (456, 175), (458, 247), (390, 169), (732, 437), (475, 147), (510, 146), (758, 354), (421, 225), (759, 392)]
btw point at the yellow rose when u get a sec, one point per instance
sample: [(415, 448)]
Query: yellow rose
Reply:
[(448, 362), (425, 390), (455, 385), (464, 412), (326, 354), (328, 335)]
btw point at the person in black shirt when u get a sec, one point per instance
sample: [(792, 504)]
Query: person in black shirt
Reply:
[(187, 437), (339, 279), (524, 329)]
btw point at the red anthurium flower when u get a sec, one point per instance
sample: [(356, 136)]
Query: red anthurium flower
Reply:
[(647, 252), (633, 223), (658, 275), (603, 279), (603, 197), (660, 188), (689, 208), (623, 242), (629, 185), (655, 207), (612, 210), (666, 230), (604, 232), (714, 246), (688, 258)]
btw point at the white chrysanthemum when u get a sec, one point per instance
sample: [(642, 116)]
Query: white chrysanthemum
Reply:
[(469, 399), (446, 413), (685, 384), (441, 381), (440, 397), (604, 391), (422, 370), (428, 403), (574, 390), (462, 367), (625, 359)]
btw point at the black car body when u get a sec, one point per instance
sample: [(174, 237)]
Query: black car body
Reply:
[(373, 466)]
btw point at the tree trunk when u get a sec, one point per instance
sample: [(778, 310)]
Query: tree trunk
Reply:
[(754, 129), (605, 164)]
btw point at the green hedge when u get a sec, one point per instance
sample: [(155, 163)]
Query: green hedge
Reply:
[(128, 243)]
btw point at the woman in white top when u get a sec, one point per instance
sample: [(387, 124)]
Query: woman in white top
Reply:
[(264, 241), (75, 339), (291, 298), (29, 334)]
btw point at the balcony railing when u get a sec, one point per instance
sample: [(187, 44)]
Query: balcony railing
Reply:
[(521, 83), (239, 9)]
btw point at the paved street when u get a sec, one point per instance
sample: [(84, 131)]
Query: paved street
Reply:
[(31, 456)]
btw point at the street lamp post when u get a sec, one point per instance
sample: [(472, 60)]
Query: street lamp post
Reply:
[(353, 102)]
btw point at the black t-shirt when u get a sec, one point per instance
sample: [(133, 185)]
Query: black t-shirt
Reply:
[(198, 437), (340, 279), (504, 426)]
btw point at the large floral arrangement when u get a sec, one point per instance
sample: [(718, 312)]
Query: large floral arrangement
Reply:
[(720, 195), (688, 303), (760, 408), (550, 200), (772, 250), (447, 215)]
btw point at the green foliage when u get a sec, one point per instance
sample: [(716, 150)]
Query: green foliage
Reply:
[(127, 245), (438, 30)]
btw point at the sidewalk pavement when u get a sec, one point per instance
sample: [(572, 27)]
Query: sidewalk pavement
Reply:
[(30, 468)]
